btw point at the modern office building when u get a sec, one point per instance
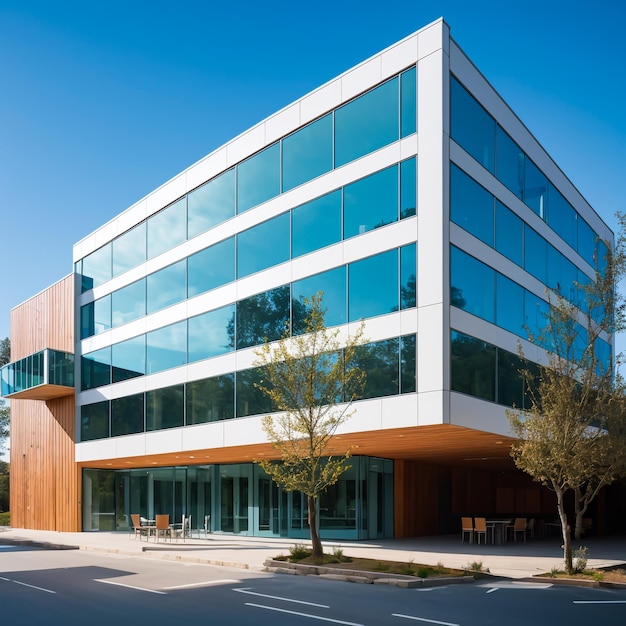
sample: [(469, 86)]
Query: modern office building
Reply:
[(410, 194)]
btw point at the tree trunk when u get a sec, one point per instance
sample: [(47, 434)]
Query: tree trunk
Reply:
[(318, 552), (565, 528)]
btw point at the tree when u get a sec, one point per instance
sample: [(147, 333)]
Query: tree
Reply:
[(5, 417), (4, 487), (311, 379), (5, 351), (573, 437)]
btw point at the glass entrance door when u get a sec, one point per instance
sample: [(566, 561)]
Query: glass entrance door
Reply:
[(268, 501), (234, 494)]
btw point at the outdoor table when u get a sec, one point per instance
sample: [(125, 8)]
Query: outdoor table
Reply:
[(499, 529)]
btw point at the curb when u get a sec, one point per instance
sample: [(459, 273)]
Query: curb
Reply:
[(364, 577), (576, 582)]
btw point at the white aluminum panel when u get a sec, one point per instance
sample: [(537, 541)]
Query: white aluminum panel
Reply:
[(399, 56), (318, 261), (283, 123), (211, 300), (244, 431), (207, 168), (361, 78), (215, 366), (367, 416), (432, 349), (433, 407), (383, 327), (93, 450), (400, 411), (130, 445), (203, 436), (320, 101), (162, 441), (246, 144), (433, 38), (470, 412)]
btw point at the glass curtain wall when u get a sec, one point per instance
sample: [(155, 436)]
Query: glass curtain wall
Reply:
[(241, 499)]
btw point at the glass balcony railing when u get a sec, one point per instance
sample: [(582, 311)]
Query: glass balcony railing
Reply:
[(41, 376)]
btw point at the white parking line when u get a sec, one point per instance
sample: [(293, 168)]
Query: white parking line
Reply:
[(111, 582), (17, 582), (223, 581), (246, 590), (423, 619), (318, 617), (599, 601)]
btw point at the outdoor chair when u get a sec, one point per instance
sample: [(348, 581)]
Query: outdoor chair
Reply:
[(138, 529), (530, 528), (518, 526), (185, 528), (207, 525), (467, 528), (481, 528), (162, 527)]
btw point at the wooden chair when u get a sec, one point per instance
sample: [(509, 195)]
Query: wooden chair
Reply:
[(467, 528), (162, 527), (518, 526), (481, 528), (138, 529)]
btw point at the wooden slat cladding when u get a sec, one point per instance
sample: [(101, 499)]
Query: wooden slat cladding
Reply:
[(44, 475), (44, 321)]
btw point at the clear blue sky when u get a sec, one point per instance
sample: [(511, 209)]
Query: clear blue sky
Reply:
[(101, 102)]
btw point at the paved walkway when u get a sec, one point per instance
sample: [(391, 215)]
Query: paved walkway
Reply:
[(512, 560)]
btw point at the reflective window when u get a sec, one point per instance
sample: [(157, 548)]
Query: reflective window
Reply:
[(509, 163), (211, 268), (408, 272), (94, 421), (128, 358), (471, 126), (586, 242), (367, 123), (536, 312), (211, 204), (129, 249), (535, 255), (408, 188), (166, 348), (96, 268), (167, 228), (211, 399), (332, 285), (408, 84), (370, 202), (264, 315), (128, 303), (472, 285), (472, 366), (263, 246), (562, 217), (127, 415), (250, 400), (95, 317), (373, 286), (381, 363), (258, 178), (509, 305), (316, 224), (509, 234), (166, 287), (510, 381), (408, 369), (211, 333), (96, 368), (308, 153), (471, 206), (535, 188), (165, 408)]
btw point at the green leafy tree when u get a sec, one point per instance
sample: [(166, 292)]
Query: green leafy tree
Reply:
[(573, 437), (5, 351), (311, 378), (5, 417), (4, 487)]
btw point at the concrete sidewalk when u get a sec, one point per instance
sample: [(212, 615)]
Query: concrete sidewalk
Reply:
[(512, 560)]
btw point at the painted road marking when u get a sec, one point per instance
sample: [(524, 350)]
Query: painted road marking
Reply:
[(111, 582), (516, 585), (223, 581), (423, 619), (263, 595), (318, 617), (599, 601), (17, 582)]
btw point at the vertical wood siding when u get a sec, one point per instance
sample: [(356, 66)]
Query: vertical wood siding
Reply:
[(44, 475)]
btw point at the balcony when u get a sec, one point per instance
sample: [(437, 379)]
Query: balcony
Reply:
[(44, 375)]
